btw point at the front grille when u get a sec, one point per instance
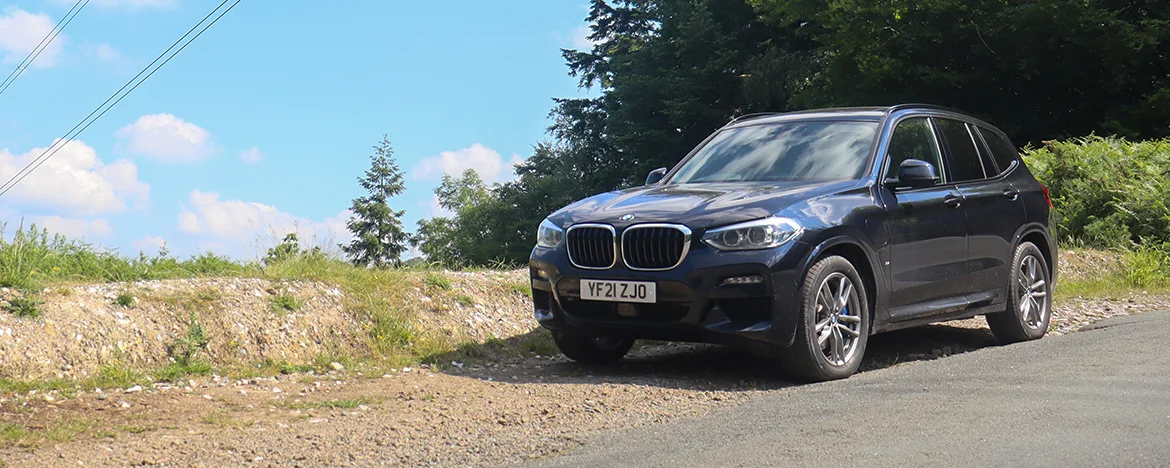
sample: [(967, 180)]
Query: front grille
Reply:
[(655, 246), (591, 246)]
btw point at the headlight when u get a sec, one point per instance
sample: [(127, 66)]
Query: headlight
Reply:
[(764, 233), (549, 235)]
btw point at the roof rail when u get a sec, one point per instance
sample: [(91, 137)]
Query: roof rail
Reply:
[(754, 115)]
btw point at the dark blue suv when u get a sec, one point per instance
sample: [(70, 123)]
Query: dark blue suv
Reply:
[(799, 235)]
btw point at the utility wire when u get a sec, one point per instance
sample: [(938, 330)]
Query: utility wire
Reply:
[(44, 44), (117, 96)]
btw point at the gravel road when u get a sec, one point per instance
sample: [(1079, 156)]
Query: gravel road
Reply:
[(510, 411), (1095, 398)]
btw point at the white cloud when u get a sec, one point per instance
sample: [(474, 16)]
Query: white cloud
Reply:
[(21, 32), (166, 138), (129, 4), (102, 52), (251, 156), (580, 38), (243, 221), (74, 228), (486, 161), (149, 245), (74, 182), (433, 208)]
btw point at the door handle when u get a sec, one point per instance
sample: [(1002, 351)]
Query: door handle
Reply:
[(1011, 194), (953, 201)]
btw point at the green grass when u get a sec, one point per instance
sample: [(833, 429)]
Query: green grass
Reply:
[(523, 289), (176, 372), (1142, 270), (124, 299), (437, 281), (331, 404), (32, 259), (25, 307), (464, 300), (284, 303)]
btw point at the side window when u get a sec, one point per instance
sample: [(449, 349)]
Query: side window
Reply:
[(1002, 149), (964, 158), (984, 152), (913, 139)]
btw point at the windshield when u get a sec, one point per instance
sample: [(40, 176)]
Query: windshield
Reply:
[(779, 152)]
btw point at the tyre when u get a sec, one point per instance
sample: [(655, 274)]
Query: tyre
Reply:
[(834, 325), (592, 350), (1029, 300)]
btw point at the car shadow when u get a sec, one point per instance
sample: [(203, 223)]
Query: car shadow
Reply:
[(695, 366)]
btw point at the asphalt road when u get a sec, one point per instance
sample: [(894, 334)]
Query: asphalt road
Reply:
[(1100, 397)]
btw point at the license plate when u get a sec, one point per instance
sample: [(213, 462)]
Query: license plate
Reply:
[(619, 291)]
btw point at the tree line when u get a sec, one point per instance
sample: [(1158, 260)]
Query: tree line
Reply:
[(670, 72)]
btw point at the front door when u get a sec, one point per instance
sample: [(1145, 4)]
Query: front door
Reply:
[(928, 231)]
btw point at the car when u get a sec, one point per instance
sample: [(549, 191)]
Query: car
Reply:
[(799, 235)]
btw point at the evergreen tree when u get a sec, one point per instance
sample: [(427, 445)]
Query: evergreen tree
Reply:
[(378, 238)]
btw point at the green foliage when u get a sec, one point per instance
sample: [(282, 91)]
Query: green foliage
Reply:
[(284, 302), (1108, 192), (124, 299), (33, 259), (25, 307), (464, 300), (1038, 68), (437, 281), (185, 348), (524, 289), (290, 248), (1147, 267), (379, 239), (176, 372)]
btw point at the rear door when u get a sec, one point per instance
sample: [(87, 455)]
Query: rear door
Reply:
[(928, 230), (993, 208)]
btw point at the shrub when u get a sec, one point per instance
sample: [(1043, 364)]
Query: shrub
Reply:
[(1108, 192)]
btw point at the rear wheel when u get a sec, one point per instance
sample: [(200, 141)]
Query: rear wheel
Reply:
[(592, 350), (834, 327), (1029, 302)]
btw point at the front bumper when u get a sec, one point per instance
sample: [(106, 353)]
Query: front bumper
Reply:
[(693, 303)]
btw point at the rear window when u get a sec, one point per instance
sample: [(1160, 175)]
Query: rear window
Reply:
[(964, 158), (1001, 149)]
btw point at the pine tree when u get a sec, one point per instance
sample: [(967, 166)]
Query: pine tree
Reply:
[(378, 238)]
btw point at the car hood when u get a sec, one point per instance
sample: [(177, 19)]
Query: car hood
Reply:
[(696, 205)]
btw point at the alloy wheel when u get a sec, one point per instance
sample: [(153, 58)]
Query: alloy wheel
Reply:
[(838, 325), (1033, 303)]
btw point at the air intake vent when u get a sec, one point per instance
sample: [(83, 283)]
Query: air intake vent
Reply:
[(655, 246), (591, 246)]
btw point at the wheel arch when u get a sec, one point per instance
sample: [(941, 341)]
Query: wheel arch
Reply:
[(1040, 237), (864, 260)]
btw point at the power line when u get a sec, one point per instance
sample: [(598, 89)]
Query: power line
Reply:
[(117, 96), (44, 44)]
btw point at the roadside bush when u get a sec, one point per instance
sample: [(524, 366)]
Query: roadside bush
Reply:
[(1108, 192)]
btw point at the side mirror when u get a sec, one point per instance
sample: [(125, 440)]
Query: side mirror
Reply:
[(655, 176), (914, 173)]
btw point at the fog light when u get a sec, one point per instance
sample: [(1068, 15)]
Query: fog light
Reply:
[(755, 279), (540, 273)]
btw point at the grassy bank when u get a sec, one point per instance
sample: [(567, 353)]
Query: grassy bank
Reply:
[(34, 264)]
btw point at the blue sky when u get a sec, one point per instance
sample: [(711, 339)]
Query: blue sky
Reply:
[(264, 123)]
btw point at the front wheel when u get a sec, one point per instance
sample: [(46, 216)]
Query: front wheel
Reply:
[(834, 325), (1029, 301), (592, 350)]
